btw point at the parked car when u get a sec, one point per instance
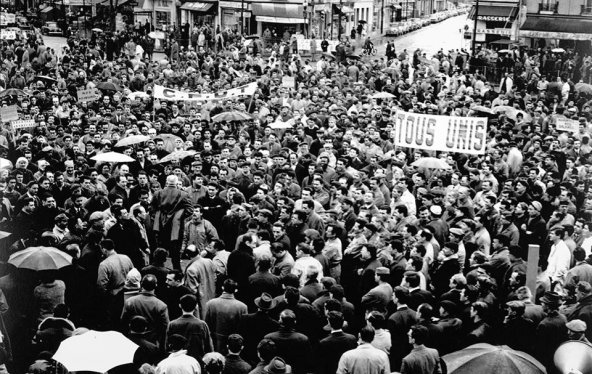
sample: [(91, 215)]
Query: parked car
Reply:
[(51, 28)]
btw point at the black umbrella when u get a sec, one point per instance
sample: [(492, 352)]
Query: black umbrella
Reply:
[(108, 86)]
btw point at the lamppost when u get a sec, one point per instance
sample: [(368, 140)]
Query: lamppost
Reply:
[(382, 18), (475, 28), (339, 24), (305, 8), (242, 17)]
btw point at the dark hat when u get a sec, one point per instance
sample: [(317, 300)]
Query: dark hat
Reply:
[(265, 212), (382, 271), (449, 306), (551, 297), (265, 301), (277, 365)]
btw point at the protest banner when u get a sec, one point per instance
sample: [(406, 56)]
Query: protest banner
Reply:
[(7, 19), (9, 113), (566, 124), (7, 35), (441, 133), (303, 44), (85, 96), (288, 82), (22, 124), (161, 92)]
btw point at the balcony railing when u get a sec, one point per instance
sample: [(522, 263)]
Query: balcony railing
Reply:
[(548, 8), (586, 10)]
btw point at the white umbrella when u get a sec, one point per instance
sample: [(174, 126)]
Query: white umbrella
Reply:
[(132, 139), (156, 35), (40, 258), (558, 50), (5, 164), (132, 96), (383, 95), (431, 163), (112, 157), (98, 351)]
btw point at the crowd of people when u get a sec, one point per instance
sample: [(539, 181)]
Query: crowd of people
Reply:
[(301, 239)]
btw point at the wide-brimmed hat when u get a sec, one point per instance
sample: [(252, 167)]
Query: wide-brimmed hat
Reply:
[(551, 297), (265, 301), (277, 365)]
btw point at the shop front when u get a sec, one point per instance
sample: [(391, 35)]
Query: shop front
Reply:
[(230, 16), (494, 23), (541, 31), (199, 13), (279, 20)]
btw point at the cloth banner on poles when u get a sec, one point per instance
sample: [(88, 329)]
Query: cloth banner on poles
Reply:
[(164, 93), (441, 133)]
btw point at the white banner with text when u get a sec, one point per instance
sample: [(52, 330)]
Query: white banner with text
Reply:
[(164, 93), (441, 133)]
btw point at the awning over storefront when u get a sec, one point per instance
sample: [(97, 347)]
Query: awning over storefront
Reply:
[(197, 7), (343, 9), (278, 13), (494, 13), (556, 28)]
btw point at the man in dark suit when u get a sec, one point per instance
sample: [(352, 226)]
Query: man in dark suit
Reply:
[(196, 331), (399, 324), (294, 347), (447, 267), (417, 296), (332, 347), (172, 206), (256, 325), (147, 305)]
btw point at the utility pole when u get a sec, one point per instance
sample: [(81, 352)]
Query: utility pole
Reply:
[(475, 28), (382, 19), (340, 15), (242, 17)]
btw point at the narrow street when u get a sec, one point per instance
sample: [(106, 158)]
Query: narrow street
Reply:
[(430, 39)]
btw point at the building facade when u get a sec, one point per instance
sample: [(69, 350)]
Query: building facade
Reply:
[(566, 23)]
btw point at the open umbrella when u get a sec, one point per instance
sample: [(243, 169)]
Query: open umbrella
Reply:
[(489, 359), (482, 109), (131, 140), (5, 164), (40, 258), (354, 56), (109, 86), (511, 112), (178, 155), (96, 29), (156, 35), (502, 42), (97, 351), (46, 79), (252, 36), (558, 50), (231, 116), (431, 163), (504, 51), (141, 94), (12, 92), (328, 55), (112, 157), (169, 141), (573, 356), (584, 87), (383, 95)]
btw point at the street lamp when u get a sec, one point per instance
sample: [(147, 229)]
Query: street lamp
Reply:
[(339, 24), (305, 7), (475, 28)]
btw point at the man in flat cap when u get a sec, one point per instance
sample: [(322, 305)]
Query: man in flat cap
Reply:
[(378, 297), (576, 330)]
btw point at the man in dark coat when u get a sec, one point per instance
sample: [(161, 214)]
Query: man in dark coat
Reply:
[(551, 332), (172, 206), (293, 346), (147, 305), (583, 309), (332, 347), (214, 207), (127, 238), (417, 296), (256, 325), (234, 363), (517, 331), (399, 324), (196, 331), (447, 267)]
